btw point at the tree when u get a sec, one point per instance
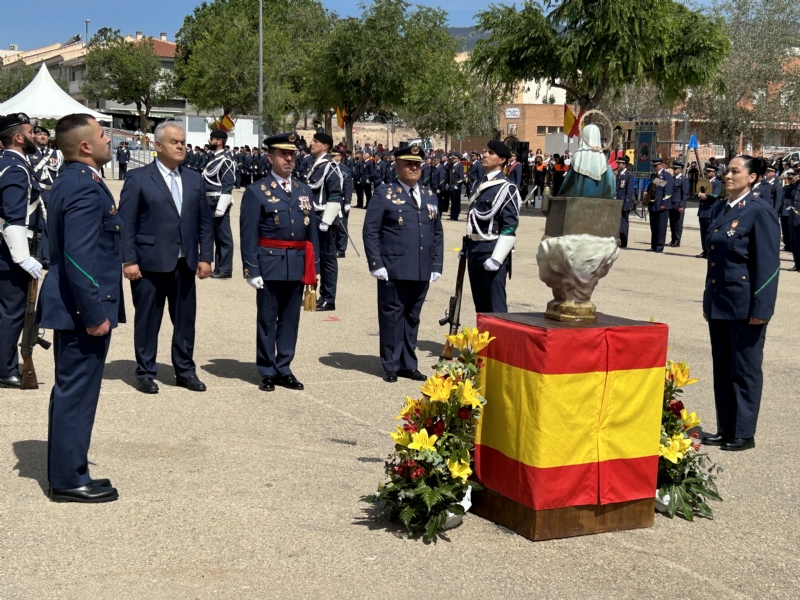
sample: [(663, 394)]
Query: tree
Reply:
[(371, 63), (16, 77), (128, 72), (758, 85), (587, 47)]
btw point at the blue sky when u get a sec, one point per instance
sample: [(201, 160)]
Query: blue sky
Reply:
[(31, 25)]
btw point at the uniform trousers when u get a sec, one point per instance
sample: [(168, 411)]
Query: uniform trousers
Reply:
[(278, 320), (794, 243), (705, 223), (238, 180), (150, 293), (399, 307), (443, 200), (737, 351), (79, 362), (658, 230), (123, 170), (223, 241), (675, 225), (341, 235), (488, 287), (624, 227), (359, 188), (328, 265), (44, 245), (368, 191), (13, 297), (245, 179), (785, 233), (455, 203)]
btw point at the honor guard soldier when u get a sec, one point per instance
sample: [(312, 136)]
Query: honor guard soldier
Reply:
[(357, 172), (455, 177), (326, 182), (476, 173), (278, 237), (46, 163), (425, 179), (790, 178), (81, 301), (491, 231), (769, 189), (19, 212), (739, 300), (439, 183), (514, 170), (238, 159), (347, 196), (661, 182), (707, 200), (123, 157), (402, 217), (220, 176), (680, 194), (188, 157), (378, 172), (624, 193)]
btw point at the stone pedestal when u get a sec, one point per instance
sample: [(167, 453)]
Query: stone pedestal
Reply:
[(593, 216)]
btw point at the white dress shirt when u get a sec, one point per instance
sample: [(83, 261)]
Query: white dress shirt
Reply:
[(416, 196), (166, 174)]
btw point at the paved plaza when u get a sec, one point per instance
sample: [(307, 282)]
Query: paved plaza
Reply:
[(238, 493)]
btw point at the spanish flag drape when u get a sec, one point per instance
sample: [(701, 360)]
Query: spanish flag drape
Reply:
[(571, 122), (573, 414)]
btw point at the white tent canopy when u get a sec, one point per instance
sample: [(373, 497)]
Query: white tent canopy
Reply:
[(44, 99)]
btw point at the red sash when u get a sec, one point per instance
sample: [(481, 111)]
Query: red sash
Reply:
[(310, 274)]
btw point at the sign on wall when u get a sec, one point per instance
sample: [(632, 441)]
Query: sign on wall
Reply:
[(512, 113)]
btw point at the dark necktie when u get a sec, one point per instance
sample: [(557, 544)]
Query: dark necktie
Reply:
[(727, 208), (413, 197)]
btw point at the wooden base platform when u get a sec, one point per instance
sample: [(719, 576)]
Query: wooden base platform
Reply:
[(539, 525)]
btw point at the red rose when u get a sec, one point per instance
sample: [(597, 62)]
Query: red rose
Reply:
[(417, 473), (696, 446), (676, 407), (463, 413), (479, 363), (694, 435), (438, 429)]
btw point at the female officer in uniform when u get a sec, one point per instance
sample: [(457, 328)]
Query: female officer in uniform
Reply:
[(739, 299)]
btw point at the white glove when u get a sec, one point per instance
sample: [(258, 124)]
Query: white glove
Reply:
[(323, 226), (491, 264), (380, 274), (225, 200), (256, 282), (32, 266), (435, 277), (346, 208), (44, 212), (461, 254)]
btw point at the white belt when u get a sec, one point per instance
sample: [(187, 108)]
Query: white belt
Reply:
[(45, 187), (213, 194)]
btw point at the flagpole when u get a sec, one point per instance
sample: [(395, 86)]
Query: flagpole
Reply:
[(260, 71)]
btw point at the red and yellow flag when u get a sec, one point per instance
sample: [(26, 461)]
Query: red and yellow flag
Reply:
[(573, 415), (226, 123), (571, 122), (340, 115)]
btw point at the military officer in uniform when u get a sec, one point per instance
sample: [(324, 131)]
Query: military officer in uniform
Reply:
[(439, 183), (378, 172), (391, 173), (81, 301), (347, 196), (46, 163), (220, 176), (356, 171), (278, 227), (402, 217), (707, 201), (514, 174), (326, 181), (793, 226), (123, 157), (188, 158), (680, 194), (769, 189), (741, 288), (662, 185), (786, 207), (475, 173), (624, 193), (425, 178), (492, 224), (19, 206), (454, 181)]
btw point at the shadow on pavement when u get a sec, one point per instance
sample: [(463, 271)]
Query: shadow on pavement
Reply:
[(434, 349), (364, 363), (230, 368), (125, 371), (32, 461), (374, 519)]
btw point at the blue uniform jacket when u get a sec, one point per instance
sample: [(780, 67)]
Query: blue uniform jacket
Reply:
[(405, 240), (378, 173), (84, 285), (347, 183), (786, 194), (455, 175), (267, 212), (154, 232), (332, 185), (743, 261), (16, 182), (663, 194), (437, 179), (475, 174), (793, 203), (123, 155), (505, 221), (771, 191), (706, 206), (366, 171), (515, 174), (625, 189), (681, 188), (425, 179)]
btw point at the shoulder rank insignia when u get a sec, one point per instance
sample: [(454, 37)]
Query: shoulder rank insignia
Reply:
[(95, 177), (742, 204), (273, 185), (399, 189), (263, 188), (400, 221)]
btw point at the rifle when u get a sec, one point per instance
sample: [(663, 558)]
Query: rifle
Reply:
[(453, 314), (30, 330)]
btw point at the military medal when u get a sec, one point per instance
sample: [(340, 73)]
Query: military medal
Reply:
[(306, 220), (267, 193), (400, 221), (399, 189), (276, 219), (732, 230), (430, 193), (398, 201), (273, 185), (433, 210), (95, 177)]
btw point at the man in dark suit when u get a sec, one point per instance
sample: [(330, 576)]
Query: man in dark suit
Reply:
[(661, 180), (677, 206), (624, 193), (81, 301), (167, 240), (402, 217)]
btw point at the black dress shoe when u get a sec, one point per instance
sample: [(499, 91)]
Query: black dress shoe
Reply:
[(671, 244), (340, 255), (146, 385), (101, 483), (220, 275), (289, 382), (10, 382), (409, 374), (267, 384), (191, 383), (390, 377), (86, 493), (714, 440), (678, 245), (323, 306), (737, 444), (794, 269)]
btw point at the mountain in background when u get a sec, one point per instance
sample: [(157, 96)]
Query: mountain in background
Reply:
[(466, 37)]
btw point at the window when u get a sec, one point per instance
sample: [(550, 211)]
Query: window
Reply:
[(197, 125), (255, 127), (554, 129), (541, 130), (512, 129)]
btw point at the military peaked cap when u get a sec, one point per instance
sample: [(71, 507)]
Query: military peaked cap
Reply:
[(282, 141), (414, 153)]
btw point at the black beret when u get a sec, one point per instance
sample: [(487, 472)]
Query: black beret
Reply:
[(218, 134), (414, 153), (324, 138), (9, 121), (499, 148), (40, 129), (676, 164), (282, 141)]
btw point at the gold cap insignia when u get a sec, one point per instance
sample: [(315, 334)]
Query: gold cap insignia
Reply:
[(414, 149), (292, 137)]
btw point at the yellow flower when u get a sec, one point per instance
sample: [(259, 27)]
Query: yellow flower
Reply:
[(478, 341), (680, 374), (459, 341), (469, 395), (459, 469), (676, 448), (401, 437), (690, 420), (409, 408), (421, 441), (438, 388)]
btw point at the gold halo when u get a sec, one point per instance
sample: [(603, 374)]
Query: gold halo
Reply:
[(610, 126)]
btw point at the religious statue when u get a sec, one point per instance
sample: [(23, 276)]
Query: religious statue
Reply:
[(589, 175)]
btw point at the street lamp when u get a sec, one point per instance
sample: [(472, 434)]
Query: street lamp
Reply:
[(87, 31)]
